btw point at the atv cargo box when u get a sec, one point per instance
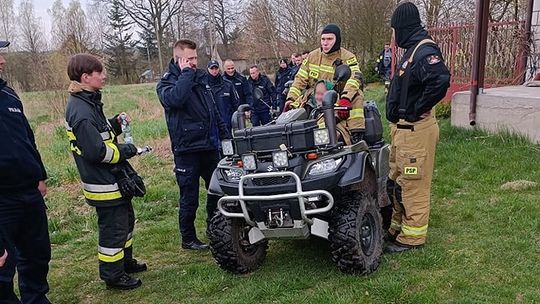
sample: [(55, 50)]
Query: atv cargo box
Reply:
[(297, 136)]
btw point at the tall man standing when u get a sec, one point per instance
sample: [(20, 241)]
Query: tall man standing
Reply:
[(23, 220), (261, 108), (225, 94), (420, 83), (195, 128), (240, 82)]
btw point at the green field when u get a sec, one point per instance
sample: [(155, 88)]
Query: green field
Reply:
[(483, 245)]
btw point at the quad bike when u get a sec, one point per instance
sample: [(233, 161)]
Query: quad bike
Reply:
[(292, 179)]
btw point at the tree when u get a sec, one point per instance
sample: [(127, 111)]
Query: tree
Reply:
[(31, 36), (7, 20), (155, 15), (119, 46), (70, 31)]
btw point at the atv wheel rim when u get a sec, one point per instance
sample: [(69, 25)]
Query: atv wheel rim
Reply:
[(367, 234)]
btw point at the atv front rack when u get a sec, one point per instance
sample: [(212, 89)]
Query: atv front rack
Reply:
[(301, 195)]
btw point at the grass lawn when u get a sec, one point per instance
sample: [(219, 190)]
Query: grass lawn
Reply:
[(483, 246)]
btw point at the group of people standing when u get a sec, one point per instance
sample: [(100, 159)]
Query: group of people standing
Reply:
[(198, 105)]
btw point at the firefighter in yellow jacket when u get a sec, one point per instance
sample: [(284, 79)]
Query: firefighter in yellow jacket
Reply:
[(320, 65)]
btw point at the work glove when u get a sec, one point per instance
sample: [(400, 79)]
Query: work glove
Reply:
[(343, 114)]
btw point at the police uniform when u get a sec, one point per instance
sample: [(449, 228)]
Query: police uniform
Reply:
[(260, 109), (195, 128), (97, 153), (321, 66), (23, 219), (242, 87), (225, 95), (421, 82)]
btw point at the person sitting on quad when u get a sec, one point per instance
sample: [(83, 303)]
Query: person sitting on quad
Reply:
[(321, 64), (351, 130)]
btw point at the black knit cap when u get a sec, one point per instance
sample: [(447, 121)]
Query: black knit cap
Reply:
[(406, 15), (333, 29)]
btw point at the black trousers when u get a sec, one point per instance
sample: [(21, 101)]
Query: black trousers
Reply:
[(23, 221), (189, 168), (115, 240)]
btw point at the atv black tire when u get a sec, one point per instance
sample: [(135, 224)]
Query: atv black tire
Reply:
[(230, 246), (355, 231)]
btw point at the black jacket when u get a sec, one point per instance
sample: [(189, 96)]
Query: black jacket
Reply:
[(190, 110), (225, 96), (269, 94), (242, 87), (282, 76), (95, 147), (428, 81), (21, 167)]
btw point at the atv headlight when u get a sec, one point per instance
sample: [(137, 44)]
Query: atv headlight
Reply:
[(249, 162), (325, 166), (280, 159), (322, 137), (234, 174), (227, 147)]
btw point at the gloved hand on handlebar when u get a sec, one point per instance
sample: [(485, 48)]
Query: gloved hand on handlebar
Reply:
[(343, 114)]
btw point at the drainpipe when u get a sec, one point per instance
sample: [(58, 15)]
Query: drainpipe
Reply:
[(479, 56)]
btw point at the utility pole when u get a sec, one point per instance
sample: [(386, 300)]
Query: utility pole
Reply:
[(211, 28)]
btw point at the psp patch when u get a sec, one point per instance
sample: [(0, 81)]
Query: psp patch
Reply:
[(433, 59), (411, 170)]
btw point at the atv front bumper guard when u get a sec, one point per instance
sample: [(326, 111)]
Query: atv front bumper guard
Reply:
[(301, 195)]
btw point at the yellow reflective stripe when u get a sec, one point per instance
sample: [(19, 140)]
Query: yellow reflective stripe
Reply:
[(326, 68), (111, 258), (302, 73), (353, 83), (356, 113), (294, 105), (352, 61), (355, 68), (314, 74), (414, 231), (395, 225), (313, 67), (104, 196), (116, 154), (74, 148), (305, 61), (71, 135), (295, 91), (129, 243)]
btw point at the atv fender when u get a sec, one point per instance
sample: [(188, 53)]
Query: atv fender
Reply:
[(356, 170), (214, 187)]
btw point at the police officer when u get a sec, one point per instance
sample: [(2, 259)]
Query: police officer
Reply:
[(260, 109), (420, 83), (384, 64), (104, 170), (195, 128), (240, 82), (23, 220), (296, 61), (320, 65), (283, 75), (224, 93)]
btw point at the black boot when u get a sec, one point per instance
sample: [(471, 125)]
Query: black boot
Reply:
[(195, 245), (125, 282), (396, 247), (133, 266)]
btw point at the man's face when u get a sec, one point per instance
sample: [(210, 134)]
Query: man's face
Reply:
[(304, 56), (214, 71), (188, 54), (254, 73), (2, 63), (282, 65), (320, 89), (96, 80), (298, 60), (386, 46), (327, 42), (229, 68)]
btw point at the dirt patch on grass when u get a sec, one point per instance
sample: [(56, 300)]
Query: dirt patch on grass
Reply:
[(518, 185)]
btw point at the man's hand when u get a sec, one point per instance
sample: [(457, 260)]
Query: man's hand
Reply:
[(248, 114), (184, 63), (42, 188), (125, 116), (343, 114), (3, 258)]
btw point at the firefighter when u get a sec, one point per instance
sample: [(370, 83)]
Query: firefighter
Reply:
[(224, 92), (420, 83), (23, 219), (108, 182), (320, 65)]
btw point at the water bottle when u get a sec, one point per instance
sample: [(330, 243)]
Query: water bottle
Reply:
[(126, 129)]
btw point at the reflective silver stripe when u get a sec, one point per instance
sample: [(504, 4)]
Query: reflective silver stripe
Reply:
[(109, 251), (100, 188), (109, 153), (130, 235), (105, 135), (66, 124)]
